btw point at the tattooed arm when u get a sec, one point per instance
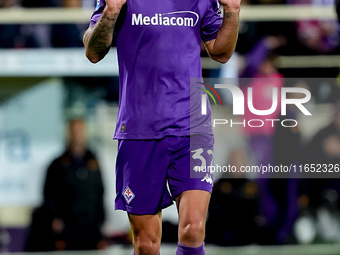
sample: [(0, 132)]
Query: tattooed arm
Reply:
[(97, 39), (221, 48)]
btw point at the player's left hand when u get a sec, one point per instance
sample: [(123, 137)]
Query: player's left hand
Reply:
[(231, 5)]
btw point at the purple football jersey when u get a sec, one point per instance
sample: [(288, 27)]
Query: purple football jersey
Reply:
[(159, 44)]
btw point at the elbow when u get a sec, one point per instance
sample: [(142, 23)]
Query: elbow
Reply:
[(222, 58), (93, 58)]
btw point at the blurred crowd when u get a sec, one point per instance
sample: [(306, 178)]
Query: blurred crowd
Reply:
[(243, 210), (42, 35), (287, 209)]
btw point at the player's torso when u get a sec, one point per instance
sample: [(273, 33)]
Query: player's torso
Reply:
[(158, 45)]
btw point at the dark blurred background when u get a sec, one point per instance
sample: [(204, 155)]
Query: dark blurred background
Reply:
[(58, 113)]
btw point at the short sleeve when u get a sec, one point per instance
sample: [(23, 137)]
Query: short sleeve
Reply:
[(97, 12), (211, 22)]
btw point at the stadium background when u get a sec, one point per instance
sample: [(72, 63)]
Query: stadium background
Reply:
[(45, 80)]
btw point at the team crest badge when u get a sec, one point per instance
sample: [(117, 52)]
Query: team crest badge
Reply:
[(128, 195)]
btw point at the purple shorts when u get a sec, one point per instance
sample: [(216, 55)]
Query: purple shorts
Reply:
[(151, 173)]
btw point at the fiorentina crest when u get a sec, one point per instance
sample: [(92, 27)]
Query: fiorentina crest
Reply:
[(128, 195)]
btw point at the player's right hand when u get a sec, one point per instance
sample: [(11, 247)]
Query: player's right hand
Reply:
[(115, 4)]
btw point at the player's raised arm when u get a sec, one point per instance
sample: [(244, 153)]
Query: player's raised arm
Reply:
[(98, 38), (221, 48)]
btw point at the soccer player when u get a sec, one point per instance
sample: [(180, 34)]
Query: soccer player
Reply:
[(161, 129)]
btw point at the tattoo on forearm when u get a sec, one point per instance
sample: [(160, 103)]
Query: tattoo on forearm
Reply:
[(114, 19), (228, 15), (102, 35)]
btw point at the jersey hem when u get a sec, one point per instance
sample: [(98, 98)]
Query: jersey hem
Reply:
[(139, 211)]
